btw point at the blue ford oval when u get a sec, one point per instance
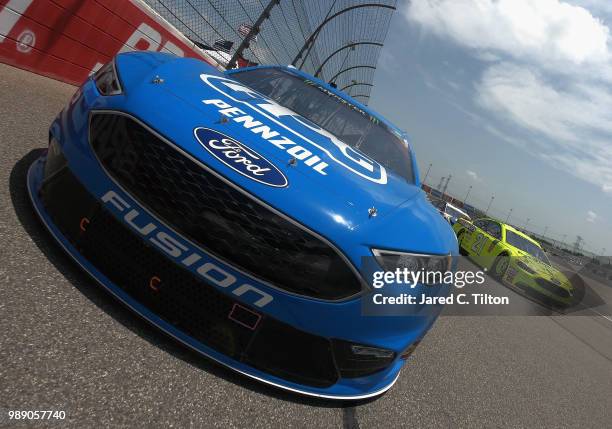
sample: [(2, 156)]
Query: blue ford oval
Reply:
[(234, 210), (240, 158)]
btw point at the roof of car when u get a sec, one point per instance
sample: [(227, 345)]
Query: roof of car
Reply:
[(522, 234), (513, 229), (328, 87)]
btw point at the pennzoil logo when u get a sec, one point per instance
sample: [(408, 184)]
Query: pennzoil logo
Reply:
[(289, 132), (240, 158)]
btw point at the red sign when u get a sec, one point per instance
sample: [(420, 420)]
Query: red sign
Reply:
[(70, 39)]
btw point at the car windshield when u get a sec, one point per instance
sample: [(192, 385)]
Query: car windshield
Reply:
[(525, 245), (347, 122)]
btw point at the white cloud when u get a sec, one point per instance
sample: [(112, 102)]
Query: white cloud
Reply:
[(543, 30), (547, 68), (591, 216), (473, 175), (597, 171), (573, 119), (500, 134), (531, 100), (488, 57)]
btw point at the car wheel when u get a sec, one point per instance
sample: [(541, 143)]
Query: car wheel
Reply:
[(500, 266)]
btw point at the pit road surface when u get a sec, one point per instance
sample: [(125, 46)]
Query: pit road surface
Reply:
[(67, 345)]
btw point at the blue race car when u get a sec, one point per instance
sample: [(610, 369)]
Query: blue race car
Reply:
[(232, 211)]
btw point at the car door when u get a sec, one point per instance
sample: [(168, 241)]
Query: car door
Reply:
[(490, 249), (468, 237), (484, 242)]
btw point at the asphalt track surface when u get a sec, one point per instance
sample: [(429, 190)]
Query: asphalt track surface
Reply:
[(67, 345)]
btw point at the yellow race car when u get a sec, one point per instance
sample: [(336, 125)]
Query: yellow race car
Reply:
[(514, 258)]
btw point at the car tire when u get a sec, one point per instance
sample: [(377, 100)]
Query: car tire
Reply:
[(497, 270)]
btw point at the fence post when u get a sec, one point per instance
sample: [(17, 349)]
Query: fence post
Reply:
[(265, 14), (311, 39)]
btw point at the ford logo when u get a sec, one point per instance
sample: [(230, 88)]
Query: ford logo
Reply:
[(240, 158)]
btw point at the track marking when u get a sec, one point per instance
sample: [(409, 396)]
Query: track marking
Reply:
[(608, 318)]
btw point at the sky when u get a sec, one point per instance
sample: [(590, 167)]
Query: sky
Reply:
[(513, 98)]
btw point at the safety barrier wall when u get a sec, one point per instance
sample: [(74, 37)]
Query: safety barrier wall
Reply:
[(69, 39)]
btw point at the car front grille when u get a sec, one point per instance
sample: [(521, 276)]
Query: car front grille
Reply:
[(180, 298), (216, 215)]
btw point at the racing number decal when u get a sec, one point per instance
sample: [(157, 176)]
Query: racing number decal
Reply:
[(478, 244)]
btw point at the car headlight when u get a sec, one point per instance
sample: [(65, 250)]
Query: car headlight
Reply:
[(523, 266), (434, 266), (107, 79)]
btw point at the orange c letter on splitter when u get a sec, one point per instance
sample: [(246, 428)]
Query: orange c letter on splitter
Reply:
[(154, 283), (83, 224)]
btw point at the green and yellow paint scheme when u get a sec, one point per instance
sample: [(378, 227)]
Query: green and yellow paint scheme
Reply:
[(513, 258)]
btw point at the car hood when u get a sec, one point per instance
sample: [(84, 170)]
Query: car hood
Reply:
[(544, 270), (333, 183)]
